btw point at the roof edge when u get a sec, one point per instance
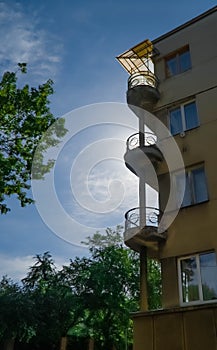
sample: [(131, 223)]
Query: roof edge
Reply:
[(186, 24)]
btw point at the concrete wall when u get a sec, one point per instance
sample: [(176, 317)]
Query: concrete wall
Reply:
[(178, 329), (200, 38), (195, 228)]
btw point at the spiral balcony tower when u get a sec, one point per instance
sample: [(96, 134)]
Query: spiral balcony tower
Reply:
[(142, 147), (142, 83)]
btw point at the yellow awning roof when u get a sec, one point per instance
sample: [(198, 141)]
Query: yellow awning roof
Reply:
[(132, 60)]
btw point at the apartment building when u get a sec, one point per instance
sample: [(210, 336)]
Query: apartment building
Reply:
[(172, 89)]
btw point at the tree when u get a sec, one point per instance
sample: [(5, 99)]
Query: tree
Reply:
[(154, 284), (107, 283), (114, 280), (24, 117), (114, 238), (16, 318), (54, 302), (99, 240), (90, 299), (41, 274)]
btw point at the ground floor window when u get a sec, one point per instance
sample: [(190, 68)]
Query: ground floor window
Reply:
[(198, 278)]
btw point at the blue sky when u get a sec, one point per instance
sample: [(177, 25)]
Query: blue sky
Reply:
[(75, 44)]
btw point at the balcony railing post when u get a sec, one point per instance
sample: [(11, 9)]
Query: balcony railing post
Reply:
[(141, 139)]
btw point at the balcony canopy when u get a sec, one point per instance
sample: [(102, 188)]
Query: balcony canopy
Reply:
[(137, 59)]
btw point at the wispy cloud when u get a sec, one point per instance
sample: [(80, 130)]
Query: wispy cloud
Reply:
[(14, 267), (101, 199), (17, 267), (23, 41)]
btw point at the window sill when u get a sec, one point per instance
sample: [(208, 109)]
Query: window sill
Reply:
[(194, 204), (199, 303), (185, 132), (168, 77)]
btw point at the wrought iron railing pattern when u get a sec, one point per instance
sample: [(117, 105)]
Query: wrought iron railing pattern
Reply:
[(143, 78), (141, 217), (134, 141)]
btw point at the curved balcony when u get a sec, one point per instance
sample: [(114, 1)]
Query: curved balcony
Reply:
[(148, 138), (141, 150), (143, 90), (146, 78), (141, 228)]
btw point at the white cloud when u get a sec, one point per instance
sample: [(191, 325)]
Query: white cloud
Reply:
[(102, 189), (16, 267), (74, 199), (22, 41), (108, 192)]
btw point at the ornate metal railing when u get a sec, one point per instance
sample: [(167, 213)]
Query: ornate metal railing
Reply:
[(143, 78), (147, 138), (141, 217)]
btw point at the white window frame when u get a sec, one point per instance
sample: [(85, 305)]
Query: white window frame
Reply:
[(176, 55), (200, 289), (183, 119), (189, 177)]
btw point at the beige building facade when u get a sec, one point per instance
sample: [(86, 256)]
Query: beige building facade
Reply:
[(174, 78)]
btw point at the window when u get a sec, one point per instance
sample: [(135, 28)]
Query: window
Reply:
[(198, 278), (183, 117), (195, 186), (178, 62)]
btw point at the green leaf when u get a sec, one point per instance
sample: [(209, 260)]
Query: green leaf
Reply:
[(24, 118)]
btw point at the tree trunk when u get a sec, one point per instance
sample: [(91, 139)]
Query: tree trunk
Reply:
[(91, 344), (63, 343), (9, 344)]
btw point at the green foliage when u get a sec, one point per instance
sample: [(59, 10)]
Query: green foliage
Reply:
[(154, 285), (91, 297), (41, 274), (107, 285), (114, 238), (16, 319), (54, 301), (111, 237), (24, 118)]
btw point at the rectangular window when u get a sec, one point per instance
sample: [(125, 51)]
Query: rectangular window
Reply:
[(198, 278), (195, 186), (183, 117), (178, 62)]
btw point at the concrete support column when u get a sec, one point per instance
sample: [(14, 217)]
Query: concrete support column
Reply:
[(9, 344), (143, 251), (91, 344), (143, 280), (170, 289), (63, 343)]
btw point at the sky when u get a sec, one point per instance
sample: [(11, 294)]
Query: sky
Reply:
[(75, 43)]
